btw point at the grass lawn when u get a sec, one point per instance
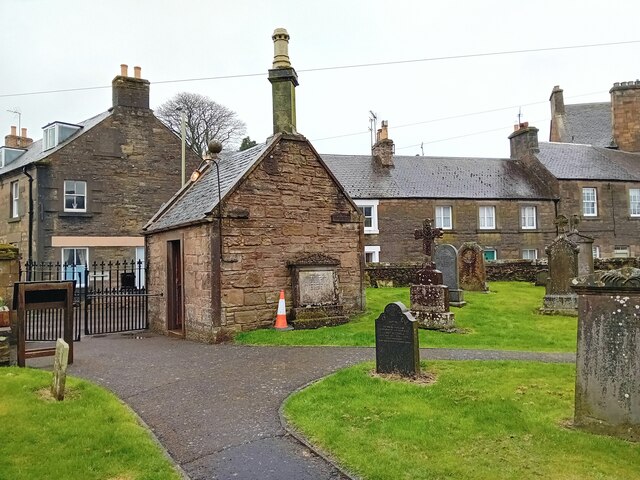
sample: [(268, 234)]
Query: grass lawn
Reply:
[(505, 319), (89, 435), (479, 420)]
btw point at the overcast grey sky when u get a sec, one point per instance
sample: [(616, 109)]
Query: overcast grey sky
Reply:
[(62, 44)]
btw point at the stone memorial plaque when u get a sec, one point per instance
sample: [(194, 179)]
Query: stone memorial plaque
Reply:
[(563, 267), (60, 363), (397, 348), (317, 287)]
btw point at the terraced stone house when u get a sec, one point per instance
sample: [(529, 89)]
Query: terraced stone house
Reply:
[(84, 191)]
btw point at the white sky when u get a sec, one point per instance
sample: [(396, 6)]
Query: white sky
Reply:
[(61, 44)]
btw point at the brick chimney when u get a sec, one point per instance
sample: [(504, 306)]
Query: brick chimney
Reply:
[(523, 140), (558, 130), (625, 115), (284, 81), (129, 91), (14, 140), (383, 150)]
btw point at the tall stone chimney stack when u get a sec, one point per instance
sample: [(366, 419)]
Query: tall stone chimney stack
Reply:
[(558, 130), (129, 91), (523, 140), (284, 81), (383, 150), (625, 115)]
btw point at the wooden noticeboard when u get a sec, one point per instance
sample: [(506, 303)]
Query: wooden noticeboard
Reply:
[(39, 296)]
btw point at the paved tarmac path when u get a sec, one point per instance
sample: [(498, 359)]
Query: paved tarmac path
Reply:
[(215, 407)]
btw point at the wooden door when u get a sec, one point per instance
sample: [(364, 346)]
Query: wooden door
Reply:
[(174, 287)]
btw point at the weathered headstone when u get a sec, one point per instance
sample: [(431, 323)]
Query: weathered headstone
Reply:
[(541, 279), (607, 397), (316, 302), (60, 362), (429, 296), (585, 251), (446, 260), (563, 268), (473, 276), (397, 346)]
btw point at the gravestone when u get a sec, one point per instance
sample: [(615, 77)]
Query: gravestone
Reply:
[(446, 260), (585, 252), (541, 279), (607, 395), (316, 302), (60, 362), (563, 268), (397, 346), (473, 276), (429, 296)]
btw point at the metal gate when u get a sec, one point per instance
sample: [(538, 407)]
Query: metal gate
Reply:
[(109, 297)]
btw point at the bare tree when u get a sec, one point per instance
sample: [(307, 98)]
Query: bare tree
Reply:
[(205, 120)]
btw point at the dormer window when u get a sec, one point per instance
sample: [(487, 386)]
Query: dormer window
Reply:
[(9, 154), (57, 132)]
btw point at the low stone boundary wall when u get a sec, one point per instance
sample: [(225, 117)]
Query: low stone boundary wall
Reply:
[(403, 274)]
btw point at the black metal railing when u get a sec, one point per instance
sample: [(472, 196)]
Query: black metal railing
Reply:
[(109, 297)]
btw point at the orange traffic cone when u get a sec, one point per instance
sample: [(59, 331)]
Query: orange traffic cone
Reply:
[(281, 317)]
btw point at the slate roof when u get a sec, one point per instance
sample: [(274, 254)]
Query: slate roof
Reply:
[(196, 200), (434, 177), (34, 152), (569, 161), (589, 123)]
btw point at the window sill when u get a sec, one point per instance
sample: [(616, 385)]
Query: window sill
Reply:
[(371, 232), (75, 214), (14, 219), (488, 230)]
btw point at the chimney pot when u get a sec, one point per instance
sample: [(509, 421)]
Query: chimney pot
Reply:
[(23, 133), (124, 70), (13, 130), (137, 71)]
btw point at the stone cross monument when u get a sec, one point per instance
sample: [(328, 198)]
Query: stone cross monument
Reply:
[(429, 296)]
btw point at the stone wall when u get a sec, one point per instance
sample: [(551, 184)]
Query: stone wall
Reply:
[(402, 274), (9, 270), (196, 280), (398, 218), (290, 203)]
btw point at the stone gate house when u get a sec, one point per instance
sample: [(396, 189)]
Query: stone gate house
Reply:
[(220, 250)]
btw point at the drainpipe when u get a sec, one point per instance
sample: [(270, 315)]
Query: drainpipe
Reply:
[(24, 170)]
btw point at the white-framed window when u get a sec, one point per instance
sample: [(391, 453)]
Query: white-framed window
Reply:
[(490, 254), (49, 137), (528, 218), (75, 196), (487, 216), (529, 253), (634, 202), (371, 254), (15, 199), (369, 209), (596, 251), (621, 251), (589, 202), (75, 262), (444, 219)]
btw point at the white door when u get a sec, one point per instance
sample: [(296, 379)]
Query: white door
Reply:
[(140, 267)]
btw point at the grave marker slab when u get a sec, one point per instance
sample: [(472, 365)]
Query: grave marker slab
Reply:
[(473, 276), (446, 260), (397, 347), (563, 268), (607, 396)]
